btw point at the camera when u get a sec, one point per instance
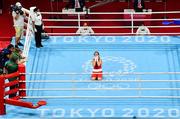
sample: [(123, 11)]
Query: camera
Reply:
[(17, 9)]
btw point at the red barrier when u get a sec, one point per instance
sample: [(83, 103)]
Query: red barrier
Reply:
[(22, 79), (2, 89)]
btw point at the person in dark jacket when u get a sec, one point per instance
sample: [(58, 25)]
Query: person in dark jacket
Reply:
[(81, 3), (4, 56), (139, 5)]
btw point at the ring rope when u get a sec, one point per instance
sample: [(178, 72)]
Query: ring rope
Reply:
[(47, 20), (90, 81), (94, 89), (105, 34), (106, 73), (136, 73), (105, 97), (112, 13), (113, 26)]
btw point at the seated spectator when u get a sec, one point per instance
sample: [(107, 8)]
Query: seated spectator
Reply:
[(5, 55), (18, 53), (142, 30), (11, 67), (1, 70), (1, 61), (85, 30)]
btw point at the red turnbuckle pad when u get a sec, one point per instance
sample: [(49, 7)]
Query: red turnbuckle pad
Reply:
[(42, 102), (25, 104)]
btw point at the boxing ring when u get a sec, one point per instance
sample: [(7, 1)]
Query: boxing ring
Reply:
[(140, 75)]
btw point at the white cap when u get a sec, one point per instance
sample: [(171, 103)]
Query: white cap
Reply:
[(18, 4)]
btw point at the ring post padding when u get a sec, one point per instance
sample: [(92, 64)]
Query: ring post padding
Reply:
[(22, 79), (2, 89)]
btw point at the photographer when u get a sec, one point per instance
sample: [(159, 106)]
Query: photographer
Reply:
[(18, 18)]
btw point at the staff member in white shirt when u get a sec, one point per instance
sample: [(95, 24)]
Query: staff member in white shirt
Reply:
[(85, 30), (18, 19), (38, 26), (142, 30)]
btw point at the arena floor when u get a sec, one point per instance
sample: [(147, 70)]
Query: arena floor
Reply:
[(73, 54)]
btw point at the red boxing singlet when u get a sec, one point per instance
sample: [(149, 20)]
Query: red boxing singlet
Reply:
[(97, 72), (97, 68)]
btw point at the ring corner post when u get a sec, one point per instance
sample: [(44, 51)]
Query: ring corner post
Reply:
[(2, 90), (22, 79)]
